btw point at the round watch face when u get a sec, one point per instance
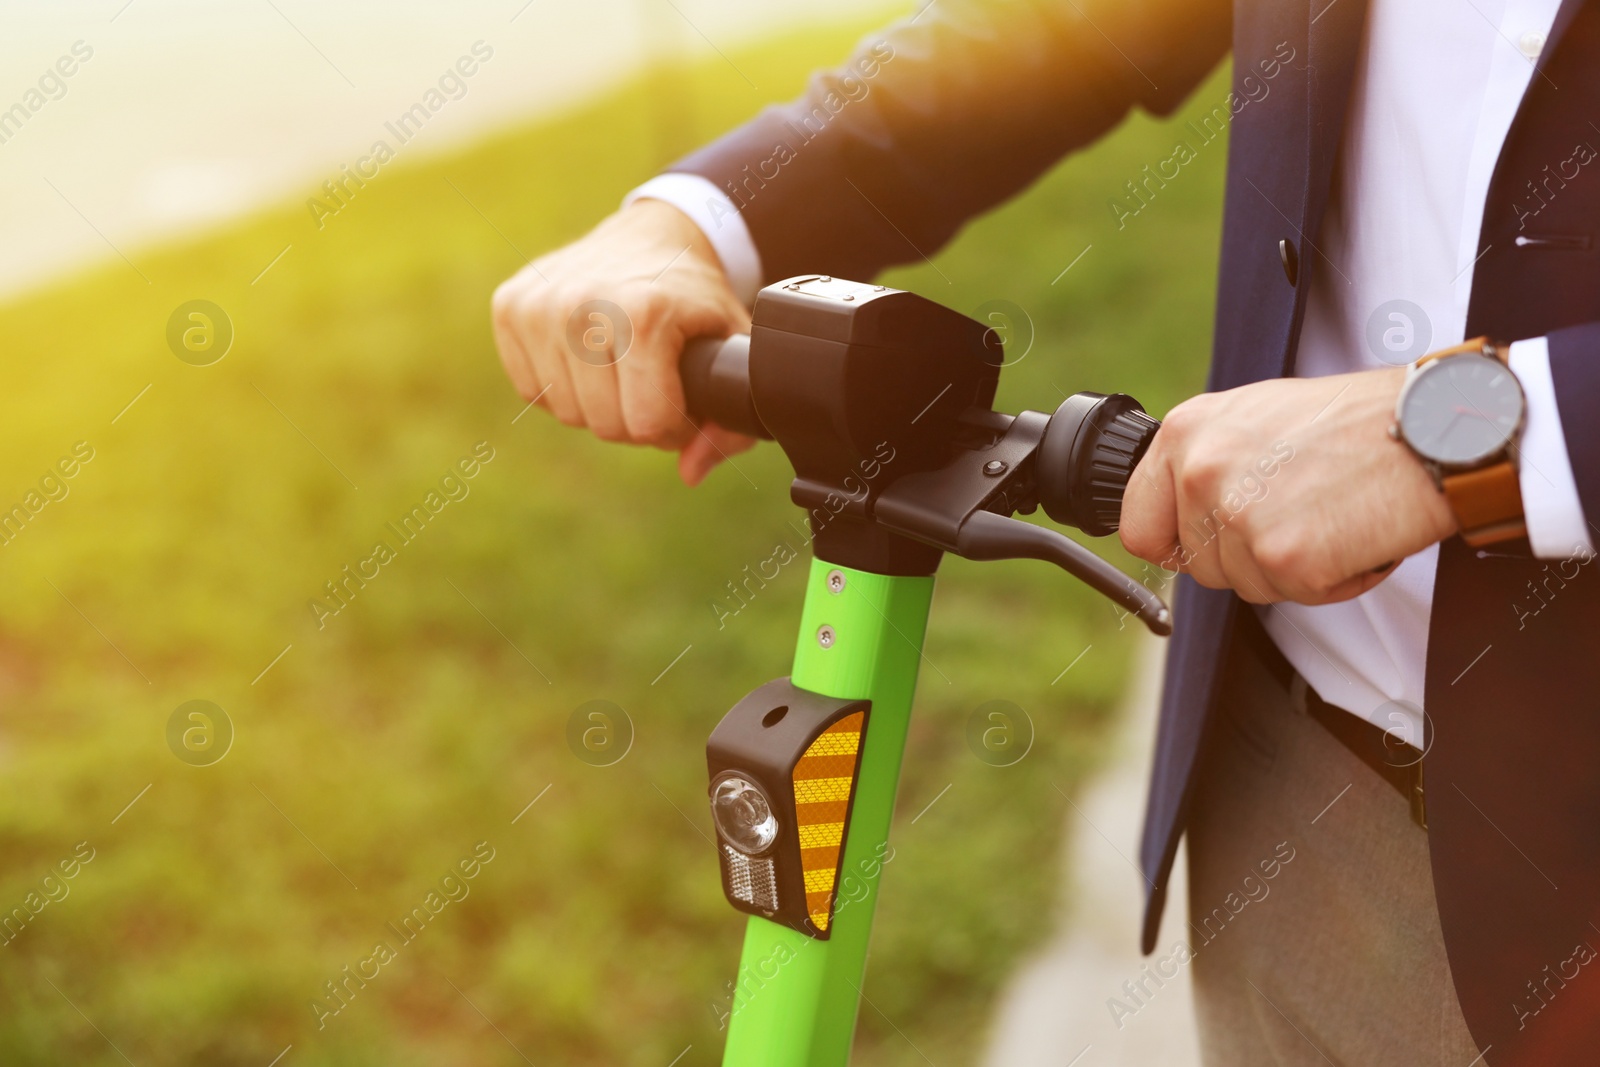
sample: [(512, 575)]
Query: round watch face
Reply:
[(1461, 410)]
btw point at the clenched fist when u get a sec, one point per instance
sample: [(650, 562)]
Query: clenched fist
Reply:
[(593, 332), (1285, 490)]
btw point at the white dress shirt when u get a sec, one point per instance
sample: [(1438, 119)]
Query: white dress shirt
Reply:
[(1436, 87)]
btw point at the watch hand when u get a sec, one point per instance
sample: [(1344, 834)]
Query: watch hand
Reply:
[(1447, 427)]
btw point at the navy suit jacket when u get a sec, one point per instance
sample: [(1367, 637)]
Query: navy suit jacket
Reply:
[(977, 99)]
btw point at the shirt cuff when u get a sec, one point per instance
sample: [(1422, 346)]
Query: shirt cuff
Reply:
[(718, 218), (1550, 504)]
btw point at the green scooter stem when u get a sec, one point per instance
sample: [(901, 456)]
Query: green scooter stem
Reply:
[(796, 999)]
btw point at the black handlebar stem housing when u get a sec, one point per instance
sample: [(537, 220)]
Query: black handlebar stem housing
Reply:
[(843, 373), (883, 402)]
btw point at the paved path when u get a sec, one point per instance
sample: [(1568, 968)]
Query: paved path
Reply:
[(1055, 1007)]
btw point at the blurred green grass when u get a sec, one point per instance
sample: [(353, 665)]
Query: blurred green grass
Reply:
[(423, 718)]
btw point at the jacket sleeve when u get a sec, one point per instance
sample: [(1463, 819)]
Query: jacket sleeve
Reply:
[(1575, 373), (945, 114)]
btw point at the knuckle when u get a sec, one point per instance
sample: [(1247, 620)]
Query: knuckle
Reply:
[(561, 299), (503, 305), (1207, 574), (1279, 555), (651, 301), (529, 302), (528, 308), (1320, 582), (1196, 477), (1202, 552), (561, 406), (1291, 562), (610, 431), (1251, 596), (1181, 420), (1242, 524), (658, 428), (648, 311)]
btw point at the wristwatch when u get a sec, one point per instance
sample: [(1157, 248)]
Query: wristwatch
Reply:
[(1461, 411)]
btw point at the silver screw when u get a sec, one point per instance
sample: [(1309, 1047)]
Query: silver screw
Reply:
[(836, 582), (825, 636)]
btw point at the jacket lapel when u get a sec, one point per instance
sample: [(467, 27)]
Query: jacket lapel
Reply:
[(1564, 17), (1333, 48)]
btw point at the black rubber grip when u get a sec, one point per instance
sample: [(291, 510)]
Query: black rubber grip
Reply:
[(716, 383), (1087, 456)]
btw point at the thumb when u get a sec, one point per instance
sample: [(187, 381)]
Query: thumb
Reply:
[(708, 447)]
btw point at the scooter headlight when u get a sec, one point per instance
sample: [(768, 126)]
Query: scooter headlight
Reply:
[(783, 767), (743, 816)]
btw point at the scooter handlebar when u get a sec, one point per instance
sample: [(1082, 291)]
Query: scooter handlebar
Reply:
[(1088, 453), (716, 383)]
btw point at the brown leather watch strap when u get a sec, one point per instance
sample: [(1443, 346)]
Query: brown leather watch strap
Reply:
[(1487, 503), (1480, 346)]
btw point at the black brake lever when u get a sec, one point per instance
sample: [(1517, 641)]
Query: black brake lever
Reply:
[(963, 506), (986, 535)]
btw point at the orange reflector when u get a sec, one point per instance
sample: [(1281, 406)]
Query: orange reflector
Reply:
[(824, 778)]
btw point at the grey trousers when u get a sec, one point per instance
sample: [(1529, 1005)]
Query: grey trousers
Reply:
[(1313, 931)]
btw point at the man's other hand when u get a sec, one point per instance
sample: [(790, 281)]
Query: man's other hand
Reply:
[(593, 332), (1285, 490)]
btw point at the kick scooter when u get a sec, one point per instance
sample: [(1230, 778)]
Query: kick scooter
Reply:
[(882, 402)]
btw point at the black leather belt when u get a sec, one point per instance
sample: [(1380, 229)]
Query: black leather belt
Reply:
[(1391, 759)]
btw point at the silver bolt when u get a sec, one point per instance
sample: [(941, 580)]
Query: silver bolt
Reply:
[(994, 467), (825, 636), (836, 582)]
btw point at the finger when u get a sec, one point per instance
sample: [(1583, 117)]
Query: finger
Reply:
[(1242, 573), (710, 445), (596, 386), (590, 340), (1350, 588), (519, 366), (1202, 557), (1200, 531), (546, 346), (650, 390), (651, 384), (503, 315), (1149, 524)]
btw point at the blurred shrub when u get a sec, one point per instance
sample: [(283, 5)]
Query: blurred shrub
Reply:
[(380, 749)]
